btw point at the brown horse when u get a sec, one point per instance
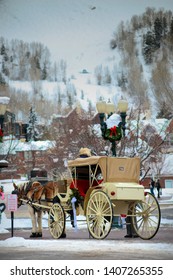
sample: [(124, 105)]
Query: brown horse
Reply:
[(39, 194)]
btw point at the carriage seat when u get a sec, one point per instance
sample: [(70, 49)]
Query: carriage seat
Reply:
[(82, 182), (83, 185)]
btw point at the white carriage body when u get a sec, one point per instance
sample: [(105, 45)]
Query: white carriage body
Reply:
[(120, 176)]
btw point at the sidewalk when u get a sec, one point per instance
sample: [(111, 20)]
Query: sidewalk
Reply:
[(166, 198)]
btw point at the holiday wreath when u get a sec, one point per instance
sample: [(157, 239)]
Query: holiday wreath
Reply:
[(114, 133)]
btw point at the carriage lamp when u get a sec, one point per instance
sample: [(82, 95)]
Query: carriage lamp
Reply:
[(112, 125), (3, 105)]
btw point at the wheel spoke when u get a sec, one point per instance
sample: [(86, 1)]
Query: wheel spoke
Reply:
[(93, 209)]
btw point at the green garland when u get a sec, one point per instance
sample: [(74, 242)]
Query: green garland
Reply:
[(114, 137), (75, 193)]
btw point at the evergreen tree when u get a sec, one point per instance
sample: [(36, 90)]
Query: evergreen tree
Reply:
[(3, 50), (59, 100), (158, 30), (122, 81), (171, 29), (2, 80), (148, 47), (5, 70), (82, 95), (37, 62), (69, 100), (44, 72), (165, 111), (165, 26), (90, 108), (32, 130)]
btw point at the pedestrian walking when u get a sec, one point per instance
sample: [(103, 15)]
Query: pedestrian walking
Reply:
[(152, 185), (158, 186)]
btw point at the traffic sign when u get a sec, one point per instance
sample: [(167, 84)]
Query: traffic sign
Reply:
[(12, 202)]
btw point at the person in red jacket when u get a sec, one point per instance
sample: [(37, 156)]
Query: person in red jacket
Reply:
[(2, 196)]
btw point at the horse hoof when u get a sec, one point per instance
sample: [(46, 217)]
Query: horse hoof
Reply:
[(33, 235), (39, 234)]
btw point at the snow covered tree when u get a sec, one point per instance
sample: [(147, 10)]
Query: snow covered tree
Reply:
[(32, 130)]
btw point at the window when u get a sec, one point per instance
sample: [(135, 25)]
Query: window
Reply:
[(168, 183)]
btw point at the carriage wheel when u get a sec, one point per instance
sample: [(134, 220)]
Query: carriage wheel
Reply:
[(146, 217), (56, 220), (99, 215)]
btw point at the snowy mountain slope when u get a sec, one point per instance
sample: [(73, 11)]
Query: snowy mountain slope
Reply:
[(76, 31)]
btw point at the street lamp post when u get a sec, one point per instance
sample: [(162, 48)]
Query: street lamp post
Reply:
[(123, 106), (112, 125)]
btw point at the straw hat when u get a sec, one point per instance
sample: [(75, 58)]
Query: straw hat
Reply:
[(85, 151)]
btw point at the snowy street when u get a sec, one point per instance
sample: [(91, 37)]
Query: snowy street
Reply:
[(77, 245)]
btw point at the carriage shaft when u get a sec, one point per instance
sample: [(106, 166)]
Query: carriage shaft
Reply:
[(35, 204)]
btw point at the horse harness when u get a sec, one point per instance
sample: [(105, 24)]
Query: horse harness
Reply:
[(34, 194)]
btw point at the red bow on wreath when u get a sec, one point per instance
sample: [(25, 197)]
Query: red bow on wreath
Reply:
[(113, 131)]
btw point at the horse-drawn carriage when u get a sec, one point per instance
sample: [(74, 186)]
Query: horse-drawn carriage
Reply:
[(104, 189)]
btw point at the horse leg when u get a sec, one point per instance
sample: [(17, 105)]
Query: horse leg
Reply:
[(39, 223), (33, 220)]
